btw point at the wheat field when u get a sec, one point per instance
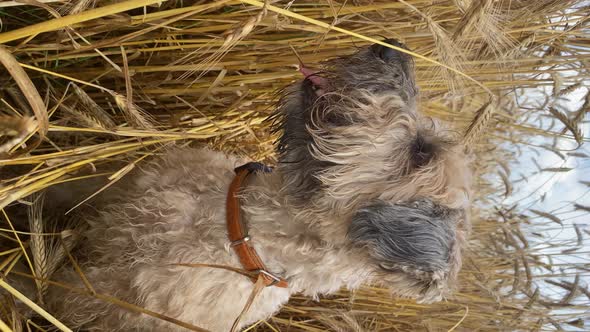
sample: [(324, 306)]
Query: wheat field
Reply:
[(90, 83)]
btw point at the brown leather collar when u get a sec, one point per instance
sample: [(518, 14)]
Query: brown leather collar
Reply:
[(238, 234)]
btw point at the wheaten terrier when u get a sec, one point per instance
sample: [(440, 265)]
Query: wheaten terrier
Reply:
[(367, 190)]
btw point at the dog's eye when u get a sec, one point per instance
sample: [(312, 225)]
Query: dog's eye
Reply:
[(336, 120), (422, 151)]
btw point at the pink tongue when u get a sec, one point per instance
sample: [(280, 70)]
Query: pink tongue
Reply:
[(318, 81)]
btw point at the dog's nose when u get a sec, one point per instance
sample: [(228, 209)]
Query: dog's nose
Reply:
[(386, 53)]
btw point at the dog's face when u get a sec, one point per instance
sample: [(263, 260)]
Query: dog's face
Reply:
[(354, 146)]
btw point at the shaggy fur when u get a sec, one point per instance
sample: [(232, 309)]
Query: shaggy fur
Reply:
[(419, 239), (367, 190)]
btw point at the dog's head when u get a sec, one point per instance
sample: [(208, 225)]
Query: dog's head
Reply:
[(350, 133), (359, 160), (414, 248)]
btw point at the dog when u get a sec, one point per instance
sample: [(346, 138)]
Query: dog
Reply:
[(367, 190)]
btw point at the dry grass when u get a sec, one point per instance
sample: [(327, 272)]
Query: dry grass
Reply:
[(95, 82)]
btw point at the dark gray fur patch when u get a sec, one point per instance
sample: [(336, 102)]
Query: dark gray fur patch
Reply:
[(291, 120), (418, 235), (366, 71)]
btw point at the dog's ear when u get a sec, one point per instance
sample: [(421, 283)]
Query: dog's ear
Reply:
[(418, 239), (426, 146)]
